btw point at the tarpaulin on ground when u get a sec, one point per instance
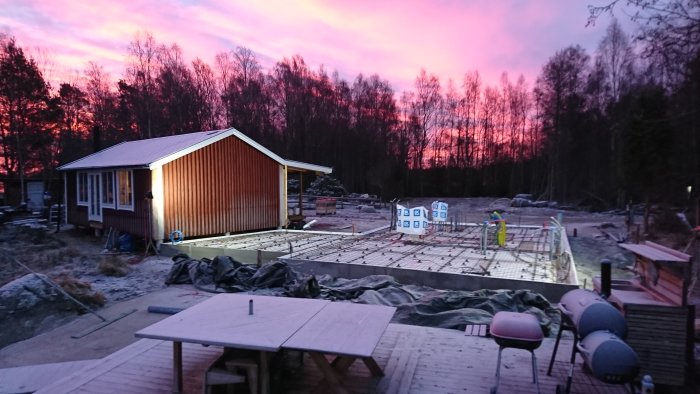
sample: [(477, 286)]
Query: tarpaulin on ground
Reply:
[(224, 274), (416, 305)]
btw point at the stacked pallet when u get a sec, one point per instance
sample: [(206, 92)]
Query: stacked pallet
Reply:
[(325, 206), (659, 335), (661, 329)]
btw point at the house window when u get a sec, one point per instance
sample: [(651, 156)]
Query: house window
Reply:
[(82, 188), (108, 189), (125, 196)]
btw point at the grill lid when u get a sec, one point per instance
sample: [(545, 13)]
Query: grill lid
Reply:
[(589, 312), (609, 357)]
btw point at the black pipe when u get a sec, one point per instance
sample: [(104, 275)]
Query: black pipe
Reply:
[(605, 277)]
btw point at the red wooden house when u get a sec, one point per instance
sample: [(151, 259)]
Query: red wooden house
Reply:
[(205, 183)]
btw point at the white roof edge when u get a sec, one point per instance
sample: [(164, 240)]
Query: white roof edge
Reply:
[(308, 166), (259, 147), (167, 159), (219, 136), (61, 168)]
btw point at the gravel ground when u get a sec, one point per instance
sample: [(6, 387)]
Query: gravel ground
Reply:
[(79, 253)]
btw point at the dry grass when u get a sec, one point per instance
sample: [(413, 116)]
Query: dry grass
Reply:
[(113, 266), (82, 291)]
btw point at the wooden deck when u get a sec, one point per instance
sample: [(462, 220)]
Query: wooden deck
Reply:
[(414, 359), (33, 377)]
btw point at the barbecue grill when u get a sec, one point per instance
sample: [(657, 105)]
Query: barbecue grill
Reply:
[(609, 357), (586, 314), (519, 331)]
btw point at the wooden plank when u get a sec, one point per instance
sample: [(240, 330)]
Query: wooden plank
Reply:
[(655, 252), (141, 365), (479, 330), (483, 330), (662, 339), (672, 279), (401, 366), (31, 378), (665, 249), (416, 360), (343, 328), (72, 382)]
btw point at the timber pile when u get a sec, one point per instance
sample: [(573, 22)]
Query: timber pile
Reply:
[(661, 330), (659, 335)]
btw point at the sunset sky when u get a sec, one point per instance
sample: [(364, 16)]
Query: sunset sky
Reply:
[(394, 38)]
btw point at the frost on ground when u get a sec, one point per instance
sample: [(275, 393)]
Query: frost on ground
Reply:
[(34, 261)]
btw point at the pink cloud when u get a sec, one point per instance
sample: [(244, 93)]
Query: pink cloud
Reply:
[(392, 38)]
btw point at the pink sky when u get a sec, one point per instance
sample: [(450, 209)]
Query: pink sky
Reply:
[(394, 38)]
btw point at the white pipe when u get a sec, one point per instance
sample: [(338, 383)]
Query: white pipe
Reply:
[(309, 224)]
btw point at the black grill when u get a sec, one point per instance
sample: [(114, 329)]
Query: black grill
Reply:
[(589, 312), (609, 357), (598, 326)]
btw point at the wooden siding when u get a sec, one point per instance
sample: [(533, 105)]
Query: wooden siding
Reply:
[(224, 187), (133, 222)]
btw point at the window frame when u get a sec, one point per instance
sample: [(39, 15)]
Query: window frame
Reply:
[(81, 179), (105, 193), (120, 206)]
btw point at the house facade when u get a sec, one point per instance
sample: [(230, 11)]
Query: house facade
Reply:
[(200, 184)]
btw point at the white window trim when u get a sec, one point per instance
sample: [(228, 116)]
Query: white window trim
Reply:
[(77, 188), (118, 202), (113, 205)]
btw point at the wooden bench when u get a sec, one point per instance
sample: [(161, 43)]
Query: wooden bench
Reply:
[(345, 331)]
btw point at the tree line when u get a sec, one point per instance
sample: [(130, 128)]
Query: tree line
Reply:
[(599, 129)]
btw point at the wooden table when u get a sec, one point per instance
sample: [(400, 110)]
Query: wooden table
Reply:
[(345, 330), (223, 320)]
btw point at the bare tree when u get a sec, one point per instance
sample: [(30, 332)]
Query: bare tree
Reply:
[(472, 97), (560, 90), (426, 108), (208, 93), (141, 71), (616, 57), (669, 28)]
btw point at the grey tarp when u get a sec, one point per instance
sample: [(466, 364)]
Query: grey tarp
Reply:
[(224, 274), (417, 305)]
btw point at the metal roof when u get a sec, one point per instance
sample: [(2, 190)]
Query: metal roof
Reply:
[(298, 165), (154, 152)]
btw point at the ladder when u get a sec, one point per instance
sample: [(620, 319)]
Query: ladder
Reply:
[(53, 214)]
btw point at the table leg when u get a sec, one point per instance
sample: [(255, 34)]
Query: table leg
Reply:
[(264, 374), (341, 363), (328, 372), (372, 366), (177, 367)]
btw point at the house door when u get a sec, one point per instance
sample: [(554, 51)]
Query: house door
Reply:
[(94, 198)]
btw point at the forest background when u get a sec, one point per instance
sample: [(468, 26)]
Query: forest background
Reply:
[(598, 129)]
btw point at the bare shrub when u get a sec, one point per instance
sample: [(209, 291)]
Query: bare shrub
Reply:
[(82, 291), (113, 266)]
